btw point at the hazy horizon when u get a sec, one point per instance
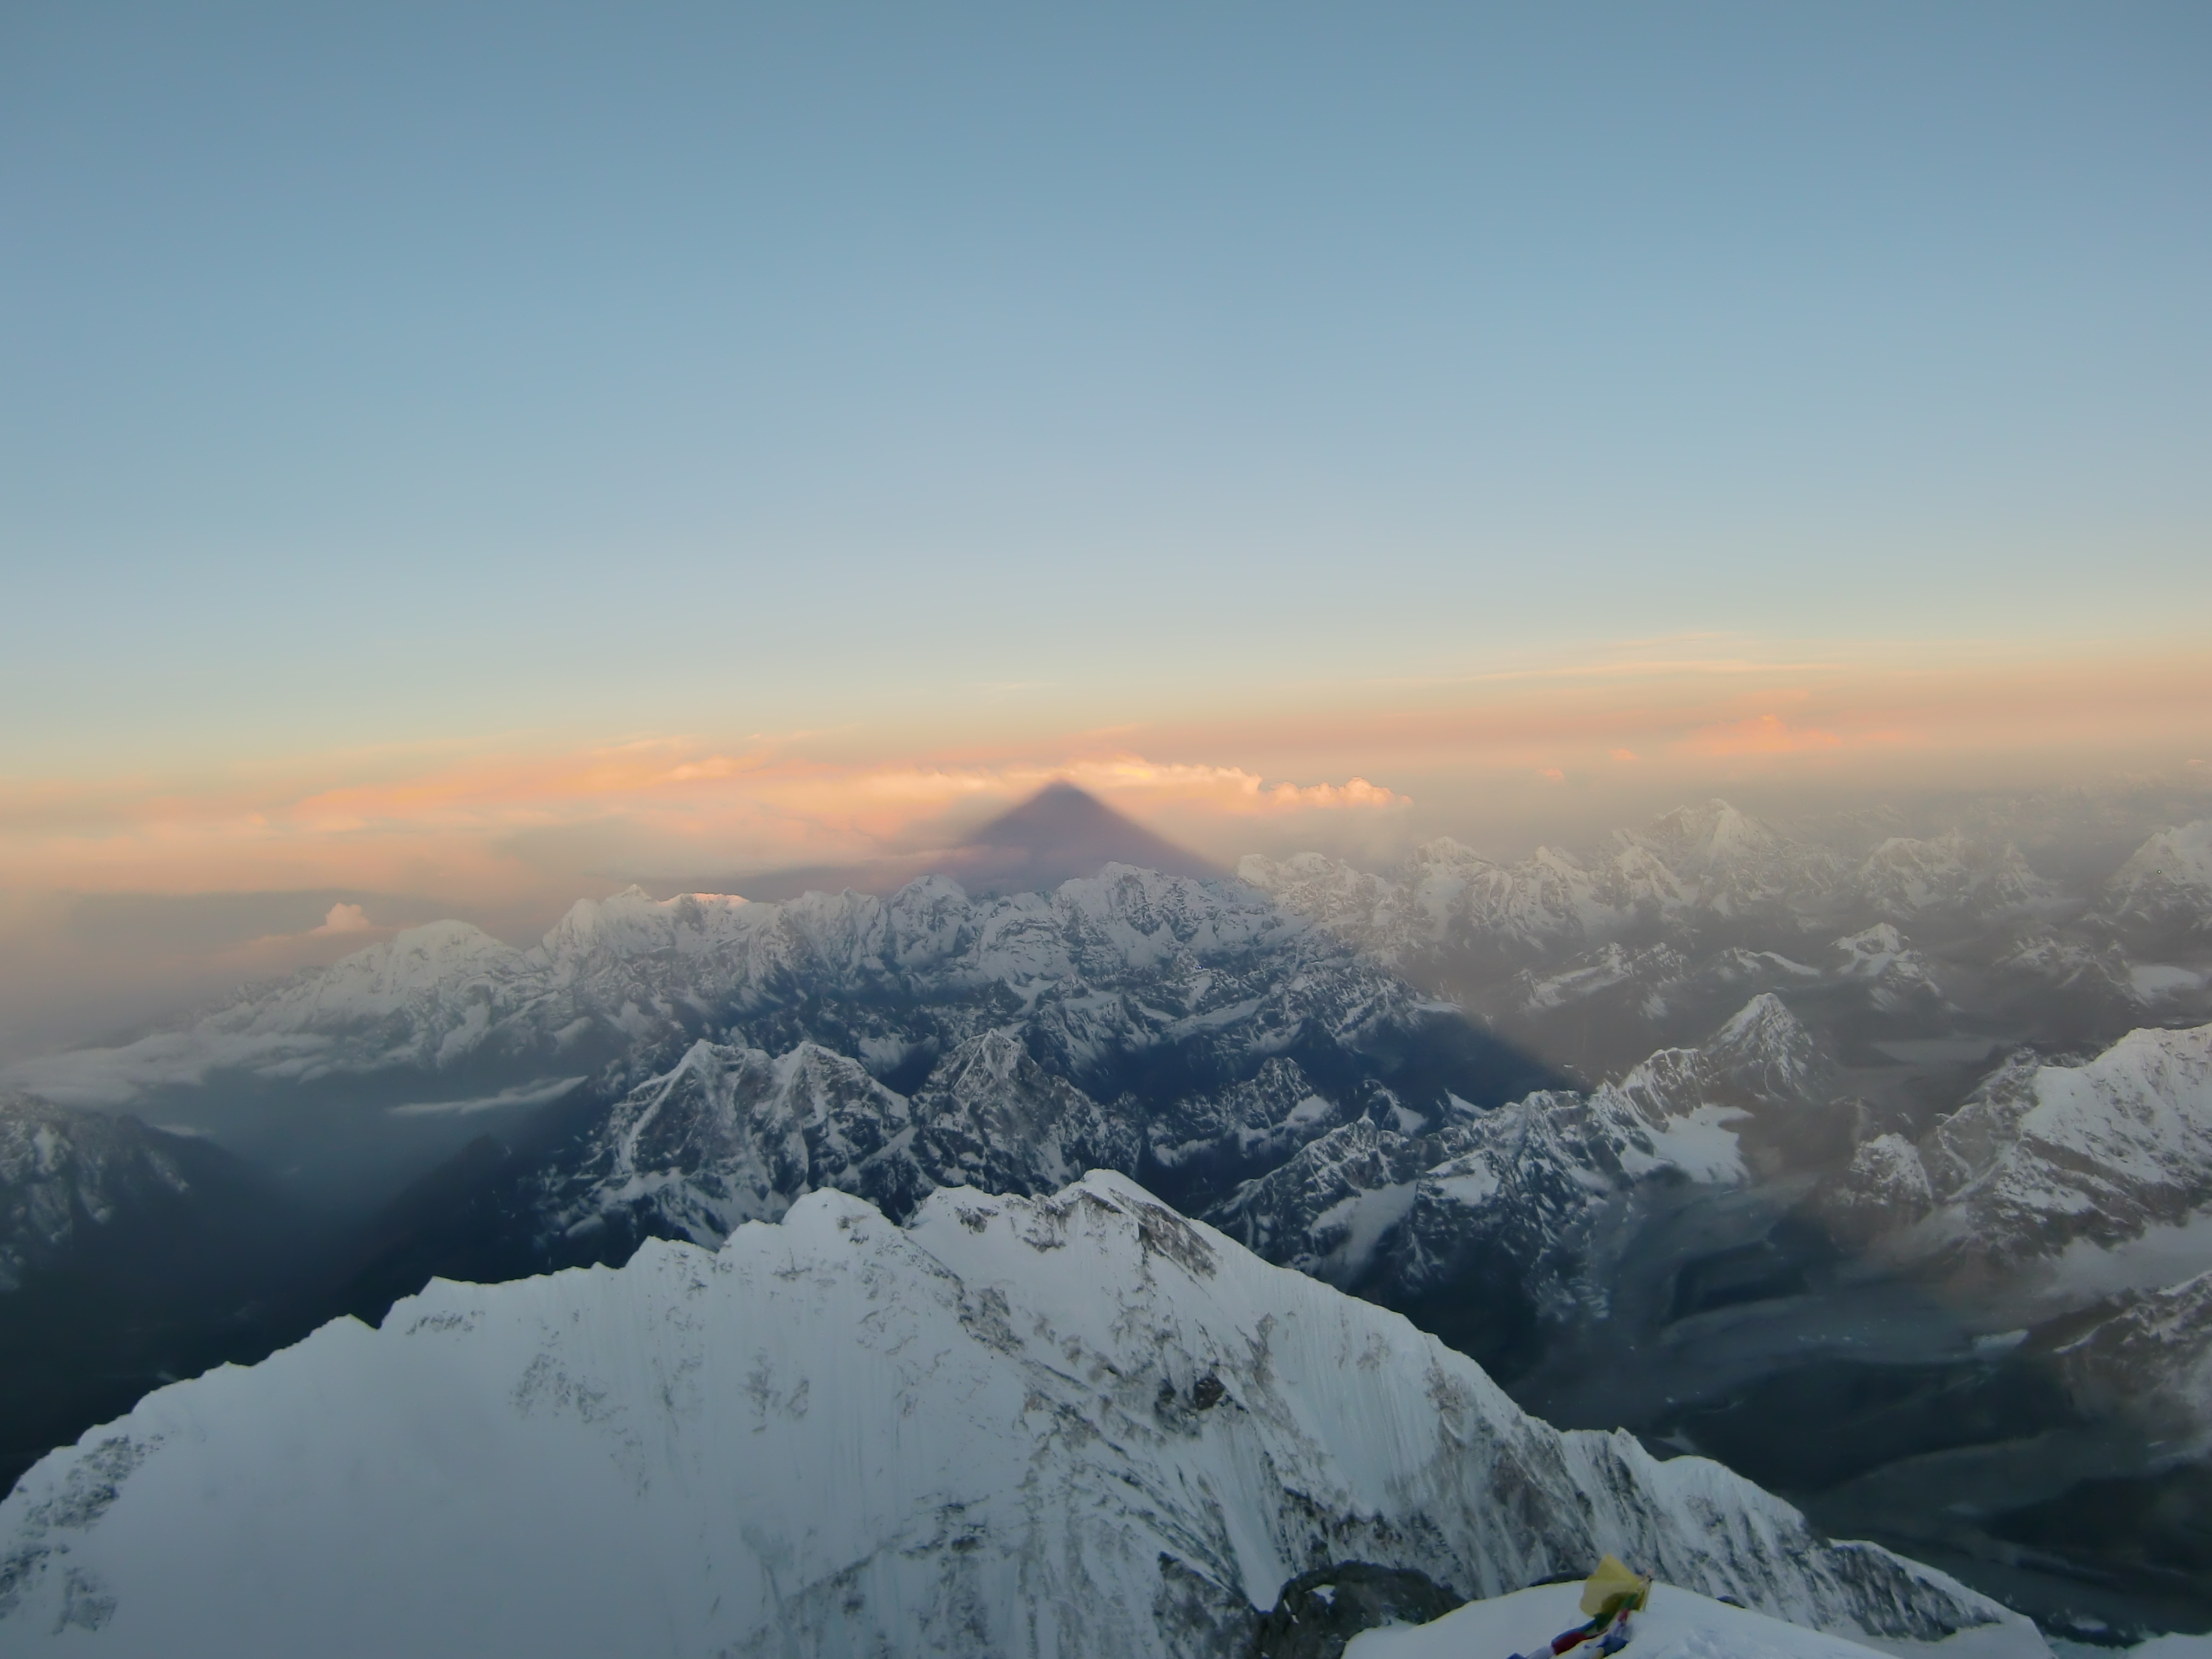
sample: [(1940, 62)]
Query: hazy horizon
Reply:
[(97, 967)]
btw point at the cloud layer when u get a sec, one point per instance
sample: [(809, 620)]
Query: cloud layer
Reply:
[(497, 821)]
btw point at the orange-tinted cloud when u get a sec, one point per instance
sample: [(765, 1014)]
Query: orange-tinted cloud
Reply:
[(511, 817), (343, 919), (1762, 735), (497, 823)]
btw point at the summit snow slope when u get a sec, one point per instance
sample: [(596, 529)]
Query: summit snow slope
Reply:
[(1678, 1623), (1073, 1425)]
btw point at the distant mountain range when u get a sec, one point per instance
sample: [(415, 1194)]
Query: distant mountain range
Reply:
[(1680, 1134)]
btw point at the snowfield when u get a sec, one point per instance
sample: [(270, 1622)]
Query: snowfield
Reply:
[(1679, 1623), (1071, 1425)]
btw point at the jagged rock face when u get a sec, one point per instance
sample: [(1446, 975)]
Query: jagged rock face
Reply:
[(1249, 1125), (1329, 1209), (1510, 1209), (1645, 975), (992, 1118), (1897, 974), (64, 1173), (1076, 1425), (2045, 1156), (2074, 965), (1319, 1611), (2150, 1359), (2167, 882), (731, 1135), (1884, 1189)]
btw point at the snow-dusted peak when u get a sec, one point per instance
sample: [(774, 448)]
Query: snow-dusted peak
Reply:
[(1642, 879), (2152, 1360), (62, 1172), (1694, 839), (2168, 878), (416, 957), (1765, 1050), (1735, 862), (731, 1134), (1445, 853), (1884, 959), (1078, 1425), (2043, 1157), (433, 963), (632, 975), (1904, 876)]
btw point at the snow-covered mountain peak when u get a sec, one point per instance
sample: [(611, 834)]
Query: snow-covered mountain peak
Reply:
[(2169, 879), (1766, 1051), (2045, 1156), (1076, 1425), (416, 968), (1904, 876), (1884, 959), (631, 976), (633, 922), (1445, 853), (1735, 863), (1696, 839)]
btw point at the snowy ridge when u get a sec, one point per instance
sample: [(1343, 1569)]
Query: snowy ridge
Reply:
[(731, 1135), (2044, 1156), (1077, 1425), (1904, 876), (2169, 879), (1713, 859), (631, 974), (1447, 896), (1516, 1187), (1733, 862)]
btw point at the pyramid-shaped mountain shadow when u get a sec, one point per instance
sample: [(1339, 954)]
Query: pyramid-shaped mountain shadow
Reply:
[(1060, 833)]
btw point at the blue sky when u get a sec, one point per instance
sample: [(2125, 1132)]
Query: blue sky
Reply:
[(459, 367)]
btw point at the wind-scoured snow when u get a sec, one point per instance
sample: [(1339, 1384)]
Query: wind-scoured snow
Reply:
[(1677, 1624), (1076, 1425)]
